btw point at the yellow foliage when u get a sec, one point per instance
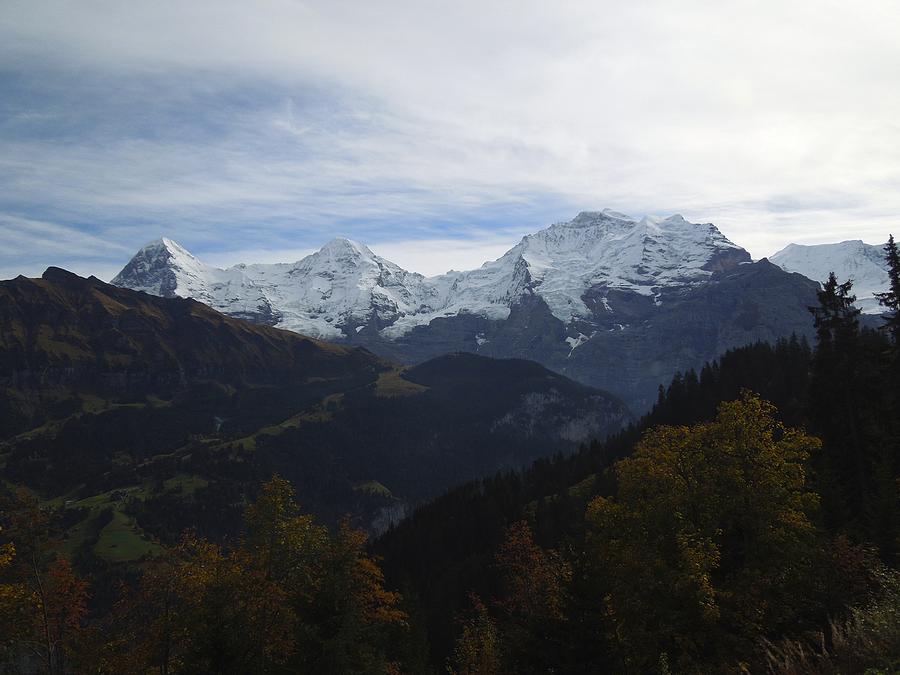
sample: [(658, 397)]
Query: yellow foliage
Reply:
[(709, 527)]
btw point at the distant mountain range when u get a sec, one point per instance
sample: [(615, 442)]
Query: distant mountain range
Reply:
[(345, 288), (612, 301)]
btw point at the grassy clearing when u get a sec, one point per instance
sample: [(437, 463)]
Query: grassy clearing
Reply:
[(184, 484), (321, 412), (122, 541), (156, 402), (392, 383), (93, 404)]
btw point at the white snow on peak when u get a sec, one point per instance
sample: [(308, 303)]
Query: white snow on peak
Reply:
[(862, 263), (345, 285), (342, 284), (611, 249), (165, 268)]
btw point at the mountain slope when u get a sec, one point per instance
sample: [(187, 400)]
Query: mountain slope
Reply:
[(168, 412), (862, 263)]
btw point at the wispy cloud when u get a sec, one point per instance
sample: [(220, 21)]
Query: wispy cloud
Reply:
[(271, 126), (28, 244)]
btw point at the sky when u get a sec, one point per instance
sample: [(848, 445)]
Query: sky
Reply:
[(437, 133)]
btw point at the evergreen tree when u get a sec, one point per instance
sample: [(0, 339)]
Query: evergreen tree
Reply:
[(890, 469), (891, 298), (836, 319), (836, 390)]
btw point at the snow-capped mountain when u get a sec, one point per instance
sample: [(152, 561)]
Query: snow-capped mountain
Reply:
[(560, 263), (340, 289), (164, 268), (345, 287), (862, 263), (613, 301)]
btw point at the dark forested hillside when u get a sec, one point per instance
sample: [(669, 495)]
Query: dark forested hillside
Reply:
[(445, 549), (749, 523), (450, 554), (140, 416)]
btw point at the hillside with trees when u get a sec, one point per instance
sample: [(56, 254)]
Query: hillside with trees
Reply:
[(749, 523)]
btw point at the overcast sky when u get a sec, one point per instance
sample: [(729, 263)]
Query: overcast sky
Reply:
[(436, 132)]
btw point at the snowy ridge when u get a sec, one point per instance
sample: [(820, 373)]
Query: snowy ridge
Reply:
[(345, 288), (342, 286), (164, 268), (610, 249), (862, 263)]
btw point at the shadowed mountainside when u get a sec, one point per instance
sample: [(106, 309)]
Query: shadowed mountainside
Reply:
[(168, 414)]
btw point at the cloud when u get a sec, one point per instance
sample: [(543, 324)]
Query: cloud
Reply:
[(274, 125), (26, 246)]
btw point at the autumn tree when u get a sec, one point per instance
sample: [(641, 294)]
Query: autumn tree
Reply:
[(531, 602), (239, 621), (62, 610), (477, 650), (54, 598), (708, 541), (350, 619), (286, 545), (15, 601)]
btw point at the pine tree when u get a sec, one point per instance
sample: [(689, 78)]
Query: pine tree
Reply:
[(837, 320), (891, 298), (889, 469), (837, 409)]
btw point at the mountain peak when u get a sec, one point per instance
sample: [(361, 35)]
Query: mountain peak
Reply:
[(161, 267), (164, 245), (343, 246), (862, 263), (60, 275), (587, 218)]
